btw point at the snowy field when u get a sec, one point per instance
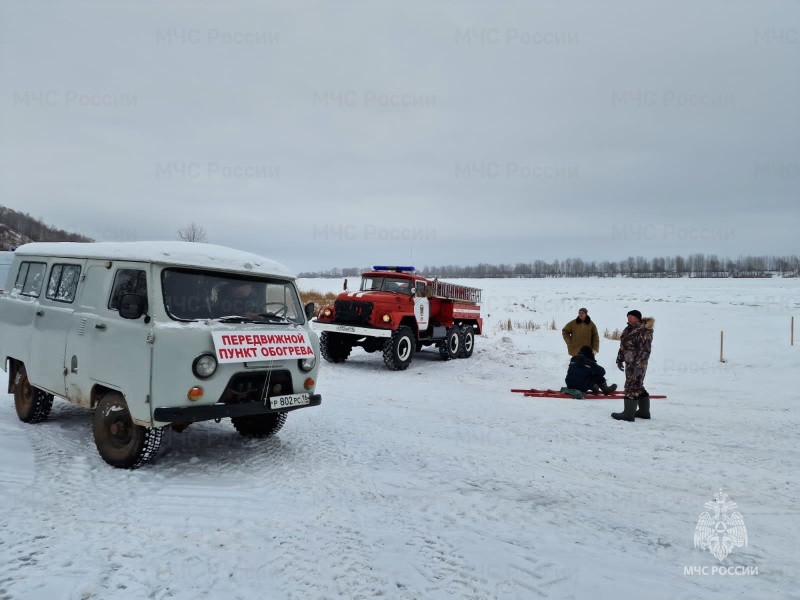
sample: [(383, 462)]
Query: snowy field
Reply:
[(438, 482)]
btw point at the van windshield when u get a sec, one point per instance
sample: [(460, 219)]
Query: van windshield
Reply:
[(191, 294)]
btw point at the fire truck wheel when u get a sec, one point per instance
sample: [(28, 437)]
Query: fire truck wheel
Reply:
[(399, 349), (334, 347), (451, 346), (467, 341)]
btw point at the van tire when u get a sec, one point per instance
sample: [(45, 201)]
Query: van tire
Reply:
[(120, 442), (32, 404), (259, 426)]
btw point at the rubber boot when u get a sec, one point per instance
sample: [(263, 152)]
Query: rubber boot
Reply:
[(629, 412), (595, 389), (644, 406), (608, 389)]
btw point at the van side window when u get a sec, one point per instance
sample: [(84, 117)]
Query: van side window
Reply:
[(63, 282), (30, 278), (23, 273), (127, 281)]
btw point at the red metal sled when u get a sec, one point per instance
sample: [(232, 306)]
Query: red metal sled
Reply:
[(534, 393)]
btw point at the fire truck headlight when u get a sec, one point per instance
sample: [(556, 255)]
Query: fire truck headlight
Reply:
[(387, 318), (327, 312)]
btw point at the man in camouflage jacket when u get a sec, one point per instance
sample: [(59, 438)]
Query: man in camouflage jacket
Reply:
[(634, 351)]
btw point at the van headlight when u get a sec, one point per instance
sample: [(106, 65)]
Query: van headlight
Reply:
[(204, 365), (308, 363)]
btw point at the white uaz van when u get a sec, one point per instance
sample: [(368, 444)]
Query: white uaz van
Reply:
[(151, 334)]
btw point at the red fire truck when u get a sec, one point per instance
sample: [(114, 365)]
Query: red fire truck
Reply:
[(397, 312)]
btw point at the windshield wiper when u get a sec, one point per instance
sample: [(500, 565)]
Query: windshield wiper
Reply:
[(274, 317), (262, 318), (235, 319)]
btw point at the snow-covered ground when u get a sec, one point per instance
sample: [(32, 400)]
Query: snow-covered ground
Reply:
[(438, 482)]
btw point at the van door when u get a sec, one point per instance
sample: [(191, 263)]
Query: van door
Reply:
[(95, 284), (51, 324), (120, 350), (19, 307)]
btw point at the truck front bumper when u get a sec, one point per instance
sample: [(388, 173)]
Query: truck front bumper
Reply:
[(192, 414), (351, 329)]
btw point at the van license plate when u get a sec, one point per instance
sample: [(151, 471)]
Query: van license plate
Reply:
[(289, 400)]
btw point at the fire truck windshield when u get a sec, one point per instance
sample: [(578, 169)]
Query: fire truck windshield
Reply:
[(397, 285)]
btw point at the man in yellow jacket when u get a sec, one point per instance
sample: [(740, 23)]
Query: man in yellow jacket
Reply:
[(581, 332)]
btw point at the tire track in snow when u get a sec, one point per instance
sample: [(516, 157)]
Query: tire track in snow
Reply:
[(449, 557), (60, 466), (73, 495)]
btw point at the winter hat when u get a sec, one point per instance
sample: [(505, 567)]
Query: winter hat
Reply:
[(583, 310), (587, 352), (635, 313)]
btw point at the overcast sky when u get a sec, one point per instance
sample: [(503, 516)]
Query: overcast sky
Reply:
[(334, 134)]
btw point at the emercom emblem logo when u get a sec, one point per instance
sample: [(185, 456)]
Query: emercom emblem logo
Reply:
[(718, 531)]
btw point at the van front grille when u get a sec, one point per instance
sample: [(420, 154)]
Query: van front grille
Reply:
[(250, 387)]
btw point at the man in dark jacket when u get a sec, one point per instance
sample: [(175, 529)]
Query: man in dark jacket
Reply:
[(586, 375), (635, 344)]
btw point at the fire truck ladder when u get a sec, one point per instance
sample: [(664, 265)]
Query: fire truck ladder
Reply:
[(451, 291)]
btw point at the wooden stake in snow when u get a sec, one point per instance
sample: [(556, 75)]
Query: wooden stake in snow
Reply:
[(721, 337)]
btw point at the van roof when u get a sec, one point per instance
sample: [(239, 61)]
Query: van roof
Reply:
[(184, 254)]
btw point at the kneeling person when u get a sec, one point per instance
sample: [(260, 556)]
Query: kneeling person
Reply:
[(586, 375)]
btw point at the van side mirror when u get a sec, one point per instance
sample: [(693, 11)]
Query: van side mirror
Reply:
[(309, 310), (131, 306)]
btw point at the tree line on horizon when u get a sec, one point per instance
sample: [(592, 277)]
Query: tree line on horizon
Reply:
[(693, 265), (18, 227)]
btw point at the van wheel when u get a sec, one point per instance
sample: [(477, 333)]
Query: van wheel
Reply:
[(334, 347), (399, 349), (33, 405), (120, 442), (468, 341), (451, 346), (260, 426)]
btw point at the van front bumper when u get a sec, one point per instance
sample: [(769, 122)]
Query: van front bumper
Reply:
[(207, 412)]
